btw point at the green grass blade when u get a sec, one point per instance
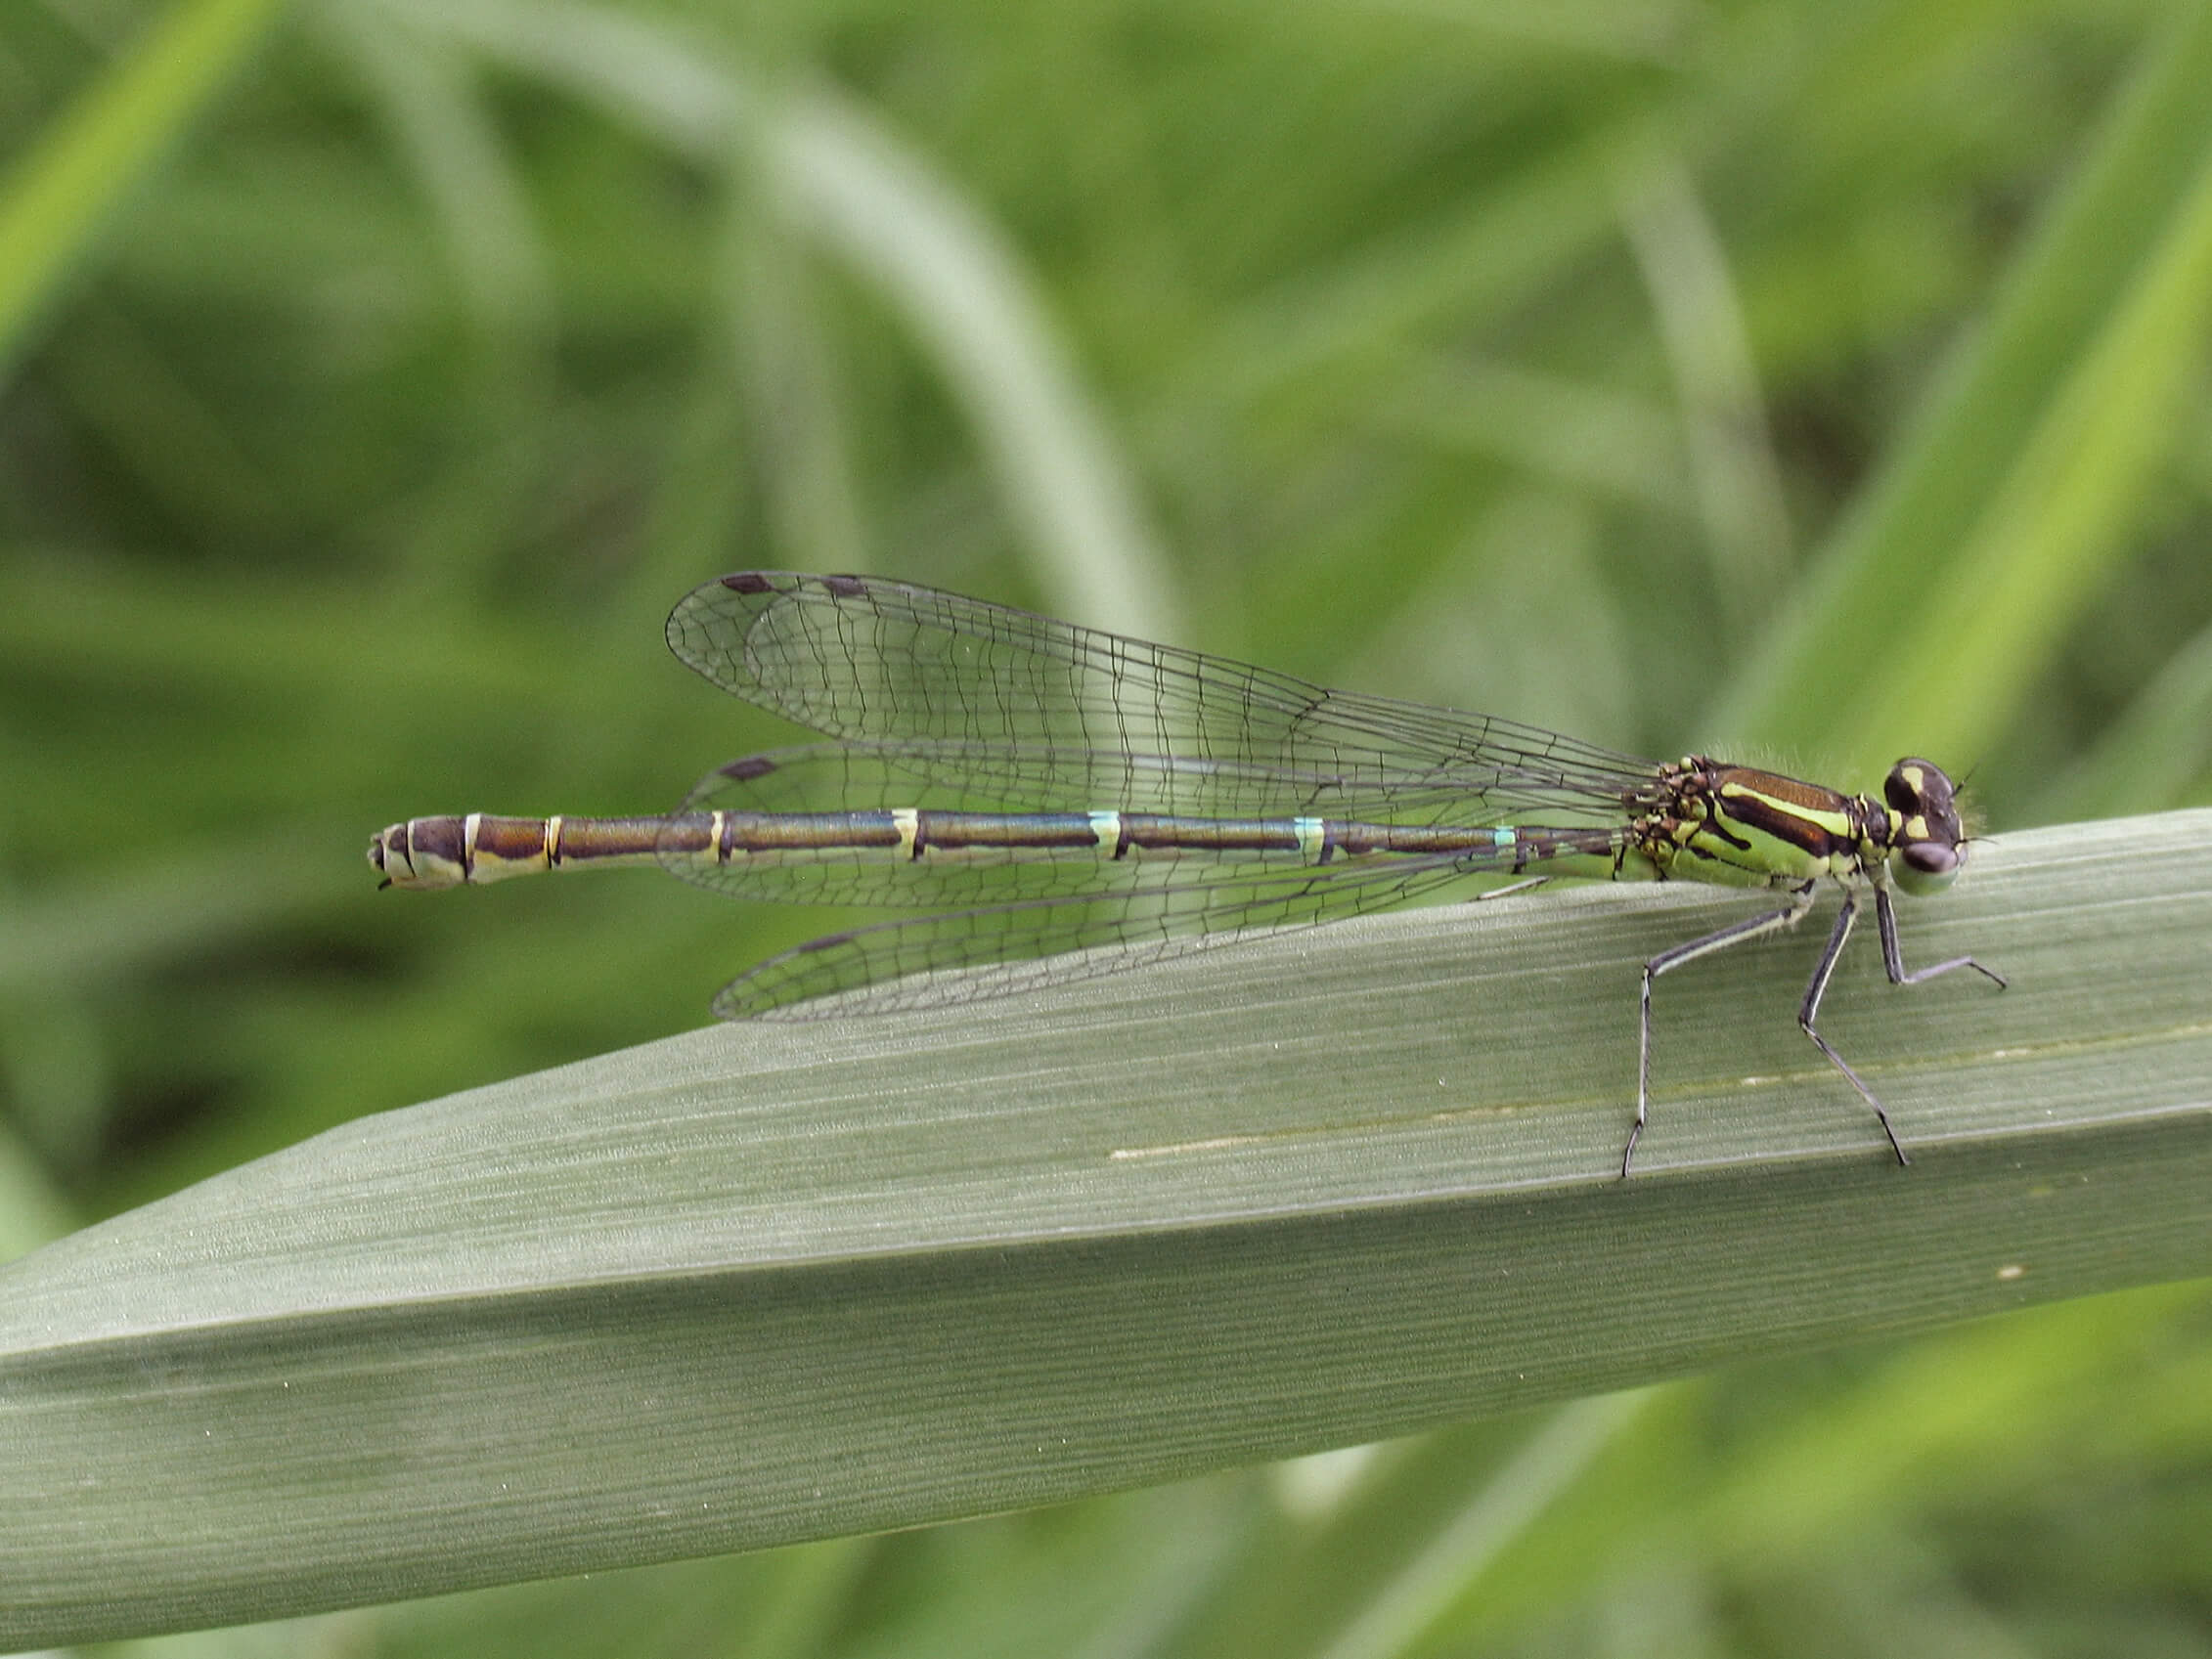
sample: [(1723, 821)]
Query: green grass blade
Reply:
[(767, 1284), (856, 189), (55, 200), (2022, 483), (2154, 754)]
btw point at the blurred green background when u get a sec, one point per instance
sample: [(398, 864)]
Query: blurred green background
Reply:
[(1814, 383)]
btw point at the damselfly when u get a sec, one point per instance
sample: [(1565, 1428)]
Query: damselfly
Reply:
[(1093, 803)]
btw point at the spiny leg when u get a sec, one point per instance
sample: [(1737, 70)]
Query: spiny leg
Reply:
[(1754, 927), (1816, 988), (1894, 959), (1893, 964)]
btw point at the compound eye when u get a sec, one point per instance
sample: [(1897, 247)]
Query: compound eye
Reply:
[(1927, 866), (1915, 786), (1929, 857)]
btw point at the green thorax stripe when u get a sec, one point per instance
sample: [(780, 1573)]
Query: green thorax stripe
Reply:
[(1741, 825)]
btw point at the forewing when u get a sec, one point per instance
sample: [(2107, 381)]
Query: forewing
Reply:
[(868, 660)]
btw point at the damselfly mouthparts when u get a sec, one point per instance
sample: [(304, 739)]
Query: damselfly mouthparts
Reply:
[(1074, 791)]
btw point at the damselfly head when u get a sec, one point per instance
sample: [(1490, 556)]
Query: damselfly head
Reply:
[(1927, 844)]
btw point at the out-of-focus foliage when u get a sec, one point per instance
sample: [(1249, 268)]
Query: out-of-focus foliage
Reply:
[(378, 372)]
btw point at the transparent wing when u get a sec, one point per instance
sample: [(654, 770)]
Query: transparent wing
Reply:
[(940, 701), (892, 664), (1001, 950)]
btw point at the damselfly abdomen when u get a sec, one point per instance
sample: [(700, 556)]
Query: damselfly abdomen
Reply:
[(1063, 801)]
